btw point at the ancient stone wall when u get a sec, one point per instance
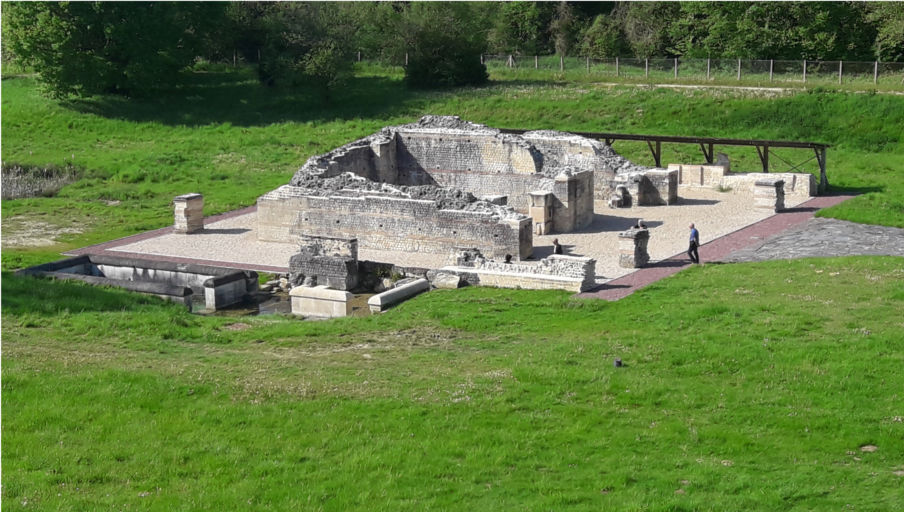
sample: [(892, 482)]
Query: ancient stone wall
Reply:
[(390, 223), (557, 272)]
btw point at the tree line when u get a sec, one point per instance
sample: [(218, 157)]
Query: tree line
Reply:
[(131, 48)]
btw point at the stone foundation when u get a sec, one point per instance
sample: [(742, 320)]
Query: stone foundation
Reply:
[(800, 186), (557, 272)]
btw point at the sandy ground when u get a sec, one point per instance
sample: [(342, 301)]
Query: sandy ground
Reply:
[(715, 214)]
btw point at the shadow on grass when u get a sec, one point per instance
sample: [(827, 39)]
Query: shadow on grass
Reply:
[(38, 296), (238, 99), (835, 190)]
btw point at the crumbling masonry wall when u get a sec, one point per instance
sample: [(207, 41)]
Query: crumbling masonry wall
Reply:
[(390, 223)]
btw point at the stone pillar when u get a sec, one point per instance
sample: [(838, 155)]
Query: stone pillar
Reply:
[(189, 213), (541, 212), (632, 248), (769, 194)]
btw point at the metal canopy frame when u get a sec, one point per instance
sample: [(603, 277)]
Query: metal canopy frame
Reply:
[(707, 146)]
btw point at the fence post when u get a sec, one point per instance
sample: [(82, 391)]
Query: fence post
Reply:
[(676, 67), (770, 69), (616, 67), (739, 70), (588, 65), (359, 56), (406, 59), (840, 64), (707, 69), (876, 72), (481, 58), (511, 62), (805, 70), (646, 68), (536, 62), (561, 63)]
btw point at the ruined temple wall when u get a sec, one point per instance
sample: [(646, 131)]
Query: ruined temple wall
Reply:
[(515, 186), (389, 223), (429, 151)]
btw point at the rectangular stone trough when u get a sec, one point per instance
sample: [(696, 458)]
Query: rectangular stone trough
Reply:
[(178, 282)]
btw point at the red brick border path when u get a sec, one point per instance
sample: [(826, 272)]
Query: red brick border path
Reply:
[(715, 250)]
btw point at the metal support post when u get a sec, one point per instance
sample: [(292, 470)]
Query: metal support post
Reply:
[(821, 158), (646, 68), (876, 72), (805, 70), (676, 69), (770, 69), (707, 152), (616, 67), (707, 68), (763, 151), (739, 70), (840, 67), (561, 63), (588, 65), (536, 62), (657, 152)]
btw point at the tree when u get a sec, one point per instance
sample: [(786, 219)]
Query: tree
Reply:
[(645, 25), (108, 47), (603, 39), (520, 28), (445, 42), (888, 18), (305, 43), (564, 28)]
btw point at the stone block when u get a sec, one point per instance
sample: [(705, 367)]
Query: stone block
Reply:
[(188, 213), (320, 301), (446, 280), (632, 248), (383, 301), (769, 194)]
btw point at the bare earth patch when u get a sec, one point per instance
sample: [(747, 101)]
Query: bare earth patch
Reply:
[(20, 231)]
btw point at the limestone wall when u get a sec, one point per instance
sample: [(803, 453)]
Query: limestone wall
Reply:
[(557, 272), (800, 186), (389, 223)]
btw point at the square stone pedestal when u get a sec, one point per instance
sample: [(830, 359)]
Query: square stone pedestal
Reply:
[(769, 194), (189, 213), (632, 248)]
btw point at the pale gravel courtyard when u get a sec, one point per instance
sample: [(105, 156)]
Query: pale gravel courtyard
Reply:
[(234, 240)]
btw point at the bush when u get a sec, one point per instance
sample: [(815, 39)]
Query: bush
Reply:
[(444, 51)]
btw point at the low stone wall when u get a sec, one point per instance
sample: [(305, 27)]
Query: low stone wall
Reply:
[(800, 186), (220, 286), (557, 272), (320, 302), (389, 223)]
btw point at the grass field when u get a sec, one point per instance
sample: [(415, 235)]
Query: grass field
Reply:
[(739, 393), (771, 386)]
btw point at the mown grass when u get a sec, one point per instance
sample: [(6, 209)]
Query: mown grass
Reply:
[(224, 135), (740, 391)]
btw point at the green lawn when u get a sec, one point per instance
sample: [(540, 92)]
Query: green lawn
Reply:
[(746, 387), (739, 392)]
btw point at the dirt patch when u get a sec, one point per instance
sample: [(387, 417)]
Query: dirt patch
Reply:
[(20, 231)]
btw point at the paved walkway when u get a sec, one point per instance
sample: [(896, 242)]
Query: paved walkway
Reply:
[(720, 249)]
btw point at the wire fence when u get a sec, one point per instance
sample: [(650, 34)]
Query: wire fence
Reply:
[(715, 70)]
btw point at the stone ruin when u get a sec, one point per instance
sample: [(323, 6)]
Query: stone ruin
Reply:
[(443, 182)]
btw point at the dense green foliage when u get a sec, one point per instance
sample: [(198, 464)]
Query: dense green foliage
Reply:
[(740, 391), (107, 47), (131, 48), (444, 49)]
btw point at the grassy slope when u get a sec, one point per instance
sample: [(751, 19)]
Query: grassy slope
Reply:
[(232, 140), (743, 393)]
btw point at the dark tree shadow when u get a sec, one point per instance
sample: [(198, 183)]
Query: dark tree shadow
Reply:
[(238, 99)]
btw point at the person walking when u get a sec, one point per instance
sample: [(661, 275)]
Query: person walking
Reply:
[(694, 242)]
